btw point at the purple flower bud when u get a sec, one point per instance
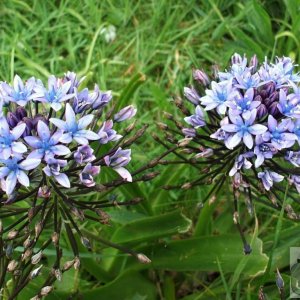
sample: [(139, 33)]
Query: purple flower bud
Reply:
[(201, 77), (29, 126), (192, 95), (107, 134), (274, 96), (86, 176), (38, 118), (21, 113), (189, 132), (99, 99), (261, 111), (84, 154), (270, 87), (273, 109), (44, 192), (12, 119), (125, 113)]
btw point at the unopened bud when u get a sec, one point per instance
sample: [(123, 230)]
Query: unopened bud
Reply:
[(68, 265), (247, 249), (186, 186), (212, 200), (184, 142), (12, 234), (150, 176), (1, 227), (55, 238), (35, 259), (9, 250), (44, 192), (86, 243), (168, 116), (279, 281), (253, 64), (78, 213), (235, 217), (35, 272), (38, 228), (143, 258), (261, 295), (28, 242), (57, 274), (189, 132), (205, 153), (26, 254), (162, 126), (76, 263), (201, 77), (129, 128), (46, 290), (12, 266)]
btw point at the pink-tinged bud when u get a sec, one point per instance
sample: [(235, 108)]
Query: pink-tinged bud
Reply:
[(68, 265), (35, 259), (46, 290), (12, 266), (125, 113), (184, 142), (201, 77), (12, 234), (28, 242), (58, 274), (143, 258), (189, 132), (44, 192), (205, 153), (76, 263), (191, 95), (253, 64), (236, 59)]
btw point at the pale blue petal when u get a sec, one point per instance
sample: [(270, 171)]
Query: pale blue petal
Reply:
[(29, 163), (85, 121), (59, 123), (43, 131), (63, 180), (23, 178), (33, 141), (70, 116), (11, 182), (18, 147), (18, 131), (60, 150)]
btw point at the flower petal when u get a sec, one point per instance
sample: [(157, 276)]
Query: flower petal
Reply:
[(85, 121), (10, 182), (18, 131), (43, 131), (29, 163), (23, 178), (70, 116), (63, 180), (125, 174), (58, 123)]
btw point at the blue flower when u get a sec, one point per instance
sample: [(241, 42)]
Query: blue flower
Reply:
[(243, 129), (84, 154), (269, 177), (296, 130), (293, 157), (247, 80), (107, 134), (75, 129), (53, 169), (263, 150), (218, 97), (118, 160), (45, 145), (241, 162), (88, 173), (278, 133), (289, 105), (9, 144), (243, 104), (56, 93), (18, 93), (196, 120), (100, 99), (13, 170)]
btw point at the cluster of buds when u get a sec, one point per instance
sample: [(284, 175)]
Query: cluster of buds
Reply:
[(57, 144), (244, 125)]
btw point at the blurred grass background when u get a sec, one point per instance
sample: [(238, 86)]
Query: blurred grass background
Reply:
[(157, 44)]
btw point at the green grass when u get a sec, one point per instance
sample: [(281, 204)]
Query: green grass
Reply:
[(158, 43)]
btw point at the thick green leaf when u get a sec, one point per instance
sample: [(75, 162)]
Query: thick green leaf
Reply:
[(130, 285), (152, 227), (203, 254)]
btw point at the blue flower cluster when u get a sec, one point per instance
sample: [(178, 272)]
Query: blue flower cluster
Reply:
[(52, 130), (255, 111)]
